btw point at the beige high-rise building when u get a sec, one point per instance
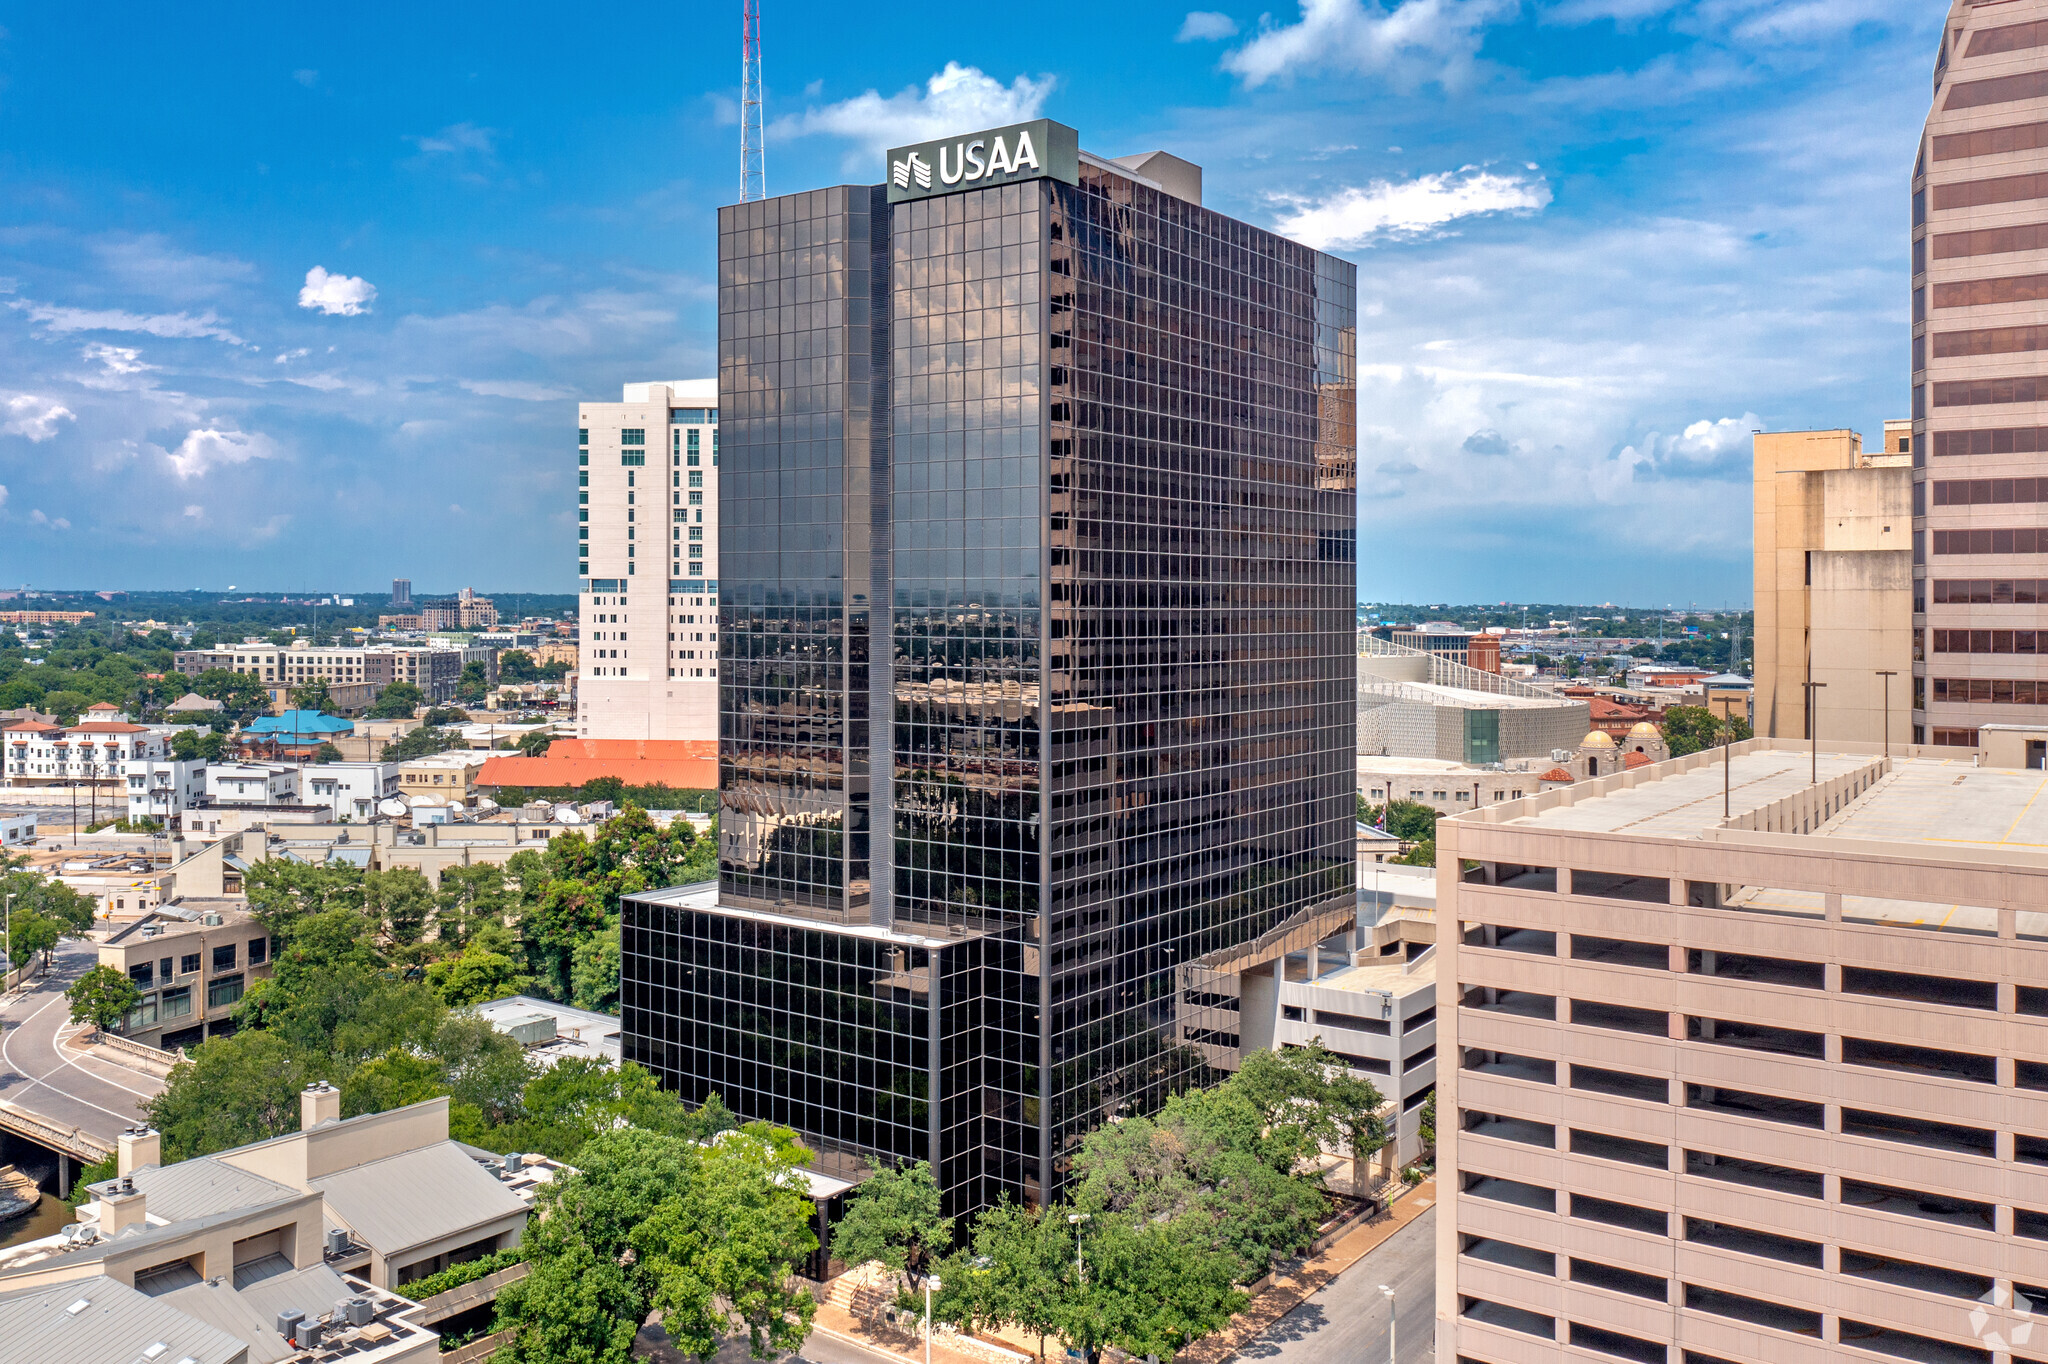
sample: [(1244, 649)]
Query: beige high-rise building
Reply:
[(1980, 385), (1769, 1087), (648, 511), (1834, 584)]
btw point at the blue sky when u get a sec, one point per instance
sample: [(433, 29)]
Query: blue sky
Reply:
[(301, 297)]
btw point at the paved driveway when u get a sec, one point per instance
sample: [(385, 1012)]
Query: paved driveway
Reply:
[(67, 1086), (1346, 1322)]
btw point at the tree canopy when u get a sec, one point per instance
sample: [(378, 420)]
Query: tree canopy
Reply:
[(1689, 729), (397, 701)]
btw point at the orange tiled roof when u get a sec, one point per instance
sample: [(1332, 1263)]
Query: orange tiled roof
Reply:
[(690, 764), (1557, 774), (1633, 760)]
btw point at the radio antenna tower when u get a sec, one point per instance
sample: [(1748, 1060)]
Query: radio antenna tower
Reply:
[(753, 156)]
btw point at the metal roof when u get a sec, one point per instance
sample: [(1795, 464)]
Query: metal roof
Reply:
[(417, 1196), (313, 1290), (204, 1186), (222, 1308), (114, 1323)]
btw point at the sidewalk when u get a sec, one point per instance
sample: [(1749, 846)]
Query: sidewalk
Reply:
[(835, 1321), (1292, 1287)]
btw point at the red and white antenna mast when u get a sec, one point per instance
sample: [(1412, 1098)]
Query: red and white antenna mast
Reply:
[(753, 164)]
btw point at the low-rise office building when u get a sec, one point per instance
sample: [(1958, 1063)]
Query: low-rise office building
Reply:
[(252, 784), (434, 670), (352, 791), (191, 967), (447, 778), (1746, 1065), (163, 789)]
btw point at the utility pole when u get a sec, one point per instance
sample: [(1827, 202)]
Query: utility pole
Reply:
[(1388, 1293)]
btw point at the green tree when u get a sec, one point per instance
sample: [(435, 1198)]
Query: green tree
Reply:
[(1426, 1127), (397, 701), (241, 693), (282, 891), (313, 695), (476, 977), (516, 665), (420, 743), (42, 894), (578, 1099), (232, 1091), (594, 971), (536, 742), (399, 901), (723, 1256), (29, 933), (445, 715), (1015, 1277), (474, 683), (189, 745), (469, 898), (894, 1217), (1423, 854), (1689, 729)]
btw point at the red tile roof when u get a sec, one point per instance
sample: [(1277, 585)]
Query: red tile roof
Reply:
[(690, 764), (1557, 774), (1633, 760)]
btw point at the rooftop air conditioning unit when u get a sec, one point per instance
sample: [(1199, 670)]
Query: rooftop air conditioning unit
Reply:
[(355, 1311), (287, 1319), (212, 919), (337, 1241)]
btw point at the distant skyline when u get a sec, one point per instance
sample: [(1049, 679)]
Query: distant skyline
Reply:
[(303, 303)]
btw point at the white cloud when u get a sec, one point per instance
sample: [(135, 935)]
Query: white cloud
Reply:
[(1705, 449), (209, 448), (115, 361), (285, 357), (1416, 41), (25, 414), (1205, 24), (517, 388), (41, 518), (1385, 208), (3, 494), (194, 511), (153, 266), (169, 325), (307, 77), (336, 295), (957, 99), (459, 139)]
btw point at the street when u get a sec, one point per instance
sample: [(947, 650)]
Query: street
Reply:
[(95, 1096), (1346, 1323)]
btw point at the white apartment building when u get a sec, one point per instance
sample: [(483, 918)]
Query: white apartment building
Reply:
[(351, 790), (252, 784), (163, 789), (36, 754), (649, 642)]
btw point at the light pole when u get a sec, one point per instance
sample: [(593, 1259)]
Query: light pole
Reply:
[(1388, 1293), (1887, 674), (1813, 690), (1075, 1219), (931, 1282)]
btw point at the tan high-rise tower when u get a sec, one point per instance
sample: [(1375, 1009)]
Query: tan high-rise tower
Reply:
[(1834, 585), (1980, 376)]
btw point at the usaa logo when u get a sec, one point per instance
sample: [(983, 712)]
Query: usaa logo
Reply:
[(968, 161)]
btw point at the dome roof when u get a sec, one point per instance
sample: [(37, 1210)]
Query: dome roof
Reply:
[(1557, 774), (1632, 761), (1596, 740), (1643, 729)]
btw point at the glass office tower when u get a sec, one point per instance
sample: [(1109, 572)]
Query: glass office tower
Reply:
[(1038, 697)]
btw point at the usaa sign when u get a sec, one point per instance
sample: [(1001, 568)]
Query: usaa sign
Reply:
[(1038, 150)]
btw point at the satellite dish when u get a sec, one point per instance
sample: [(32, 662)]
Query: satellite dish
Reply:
[(392, 806), (486, 803), (568, 814)]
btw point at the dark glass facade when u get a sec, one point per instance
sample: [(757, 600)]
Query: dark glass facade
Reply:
[(1079, 460)]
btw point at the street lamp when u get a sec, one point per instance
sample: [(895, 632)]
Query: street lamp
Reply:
[(1887, 674), (1813, 690), (1388, 1293), (931, 1282), (1074, 1220)]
